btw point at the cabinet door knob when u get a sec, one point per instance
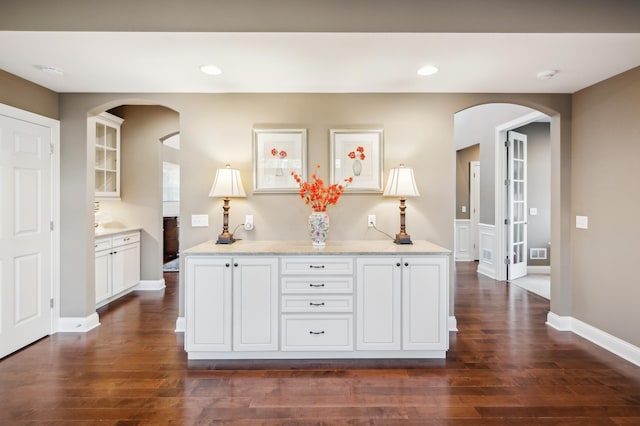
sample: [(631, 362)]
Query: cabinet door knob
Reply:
[(406, 263), (398, 264), (227, 265), (235, 264), (114, 252)]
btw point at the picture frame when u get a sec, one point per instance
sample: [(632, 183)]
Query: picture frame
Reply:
[(277, 153), (359, 154)]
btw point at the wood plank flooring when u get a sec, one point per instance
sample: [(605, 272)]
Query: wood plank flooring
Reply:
[(505, 367)]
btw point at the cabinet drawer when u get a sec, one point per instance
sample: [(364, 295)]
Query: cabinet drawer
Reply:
[(317, 265), (103, 244), (328, 332), (317, 303), (317, 285), (121, 240)]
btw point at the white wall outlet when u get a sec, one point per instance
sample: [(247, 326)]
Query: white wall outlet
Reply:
[(371, 221), (464, 209), (248, 222), (582, 222), (199, 220), (533, 211)]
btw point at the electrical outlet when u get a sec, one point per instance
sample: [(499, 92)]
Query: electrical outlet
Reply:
[(464, 209), (248, 222), (371, 221)]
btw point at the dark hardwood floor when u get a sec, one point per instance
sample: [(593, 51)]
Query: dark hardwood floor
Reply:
[(505, 367)]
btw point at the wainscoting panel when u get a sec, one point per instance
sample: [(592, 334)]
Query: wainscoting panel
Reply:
[(487, 265), (463, 243)]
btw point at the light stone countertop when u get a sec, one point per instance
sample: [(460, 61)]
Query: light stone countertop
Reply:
[(110, 232), (305, 248)]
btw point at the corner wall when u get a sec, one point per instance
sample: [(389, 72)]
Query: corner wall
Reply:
[(605, 176)]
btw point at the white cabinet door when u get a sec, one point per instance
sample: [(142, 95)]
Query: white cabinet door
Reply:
[(126, 267), (103, 275), (378, 303), (208, 304), (425, 303), (255, 304)]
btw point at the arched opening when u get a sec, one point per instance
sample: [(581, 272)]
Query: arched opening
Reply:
[(511, 235), (138, 203)]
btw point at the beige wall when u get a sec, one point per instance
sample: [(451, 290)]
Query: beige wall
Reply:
[(140, 203), (606, 150), (463, 158), (216, 129), (28, 96)]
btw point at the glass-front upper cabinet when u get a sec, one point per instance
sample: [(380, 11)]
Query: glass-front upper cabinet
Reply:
[(106, 130)]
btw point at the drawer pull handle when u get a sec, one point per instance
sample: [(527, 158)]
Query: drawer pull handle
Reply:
[(126, 239), (316, 332), (316, 266), (316, 285), (316, 304)]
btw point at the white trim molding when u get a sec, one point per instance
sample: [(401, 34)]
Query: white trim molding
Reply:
[(462, 238), (78, 324), (150, 285), (181, 325), (601, 338), (453, 323), (487, 250), (540, 269)]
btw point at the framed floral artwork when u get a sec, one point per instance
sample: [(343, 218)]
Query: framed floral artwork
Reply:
[(358, 154), (277, 153)]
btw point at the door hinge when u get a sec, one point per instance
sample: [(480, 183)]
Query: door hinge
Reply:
[(51, 148), (507, 182), (506, 260), (506, 221), (507, 143), (51, 226), (51, 303)]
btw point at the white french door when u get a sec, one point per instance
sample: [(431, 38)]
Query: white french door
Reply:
[(517, 205), (25, 233)]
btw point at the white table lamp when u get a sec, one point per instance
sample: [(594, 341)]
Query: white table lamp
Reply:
[(402, 184), (227, 184)]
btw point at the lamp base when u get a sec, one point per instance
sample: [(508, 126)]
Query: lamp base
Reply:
[(225, 238), (403, 239)]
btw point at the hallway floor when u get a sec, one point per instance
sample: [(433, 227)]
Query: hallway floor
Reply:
[(505, 367)]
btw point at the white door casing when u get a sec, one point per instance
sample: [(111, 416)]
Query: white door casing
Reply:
[(517, 205), (474, 207), (28, 244)]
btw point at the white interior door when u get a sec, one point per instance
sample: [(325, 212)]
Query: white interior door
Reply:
[(517, 205), (25, 234), (474, 207)]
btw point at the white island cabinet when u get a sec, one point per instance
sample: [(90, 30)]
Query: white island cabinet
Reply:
[(285, 299)]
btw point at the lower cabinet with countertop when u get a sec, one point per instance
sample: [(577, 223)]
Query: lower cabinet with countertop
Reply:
[(117, 264), (285, 299)]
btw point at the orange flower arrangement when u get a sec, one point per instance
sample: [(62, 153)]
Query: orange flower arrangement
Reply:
[(358, 153), (317, 194)]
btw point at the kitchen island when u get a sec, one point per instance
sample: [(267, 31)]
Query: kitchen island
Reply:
[(287, 299)]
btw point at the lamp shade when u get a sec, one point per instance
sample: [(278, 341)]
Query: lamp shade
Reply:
[(401, 183), (227, 184)]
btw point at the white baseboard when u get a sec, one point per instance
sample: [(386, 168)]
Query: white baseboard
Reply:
[(78, 324), (150, 285), (486, 270), (601, 338), (181, 325), (539, 270), (452, 323)]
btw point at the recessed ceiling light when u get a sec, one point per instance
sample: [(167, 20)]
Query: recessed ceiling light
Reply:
[(547, 74), (50, 70), (210, 69), (428, 70)]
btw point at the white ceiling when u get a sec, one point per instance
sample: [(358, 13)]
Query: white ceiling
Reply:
[(316, 62)]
